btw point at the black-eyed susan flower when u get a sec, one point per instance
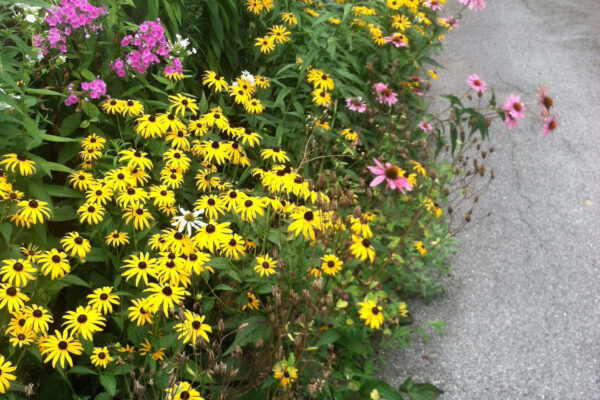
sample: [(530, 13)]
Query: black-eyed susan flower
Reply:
[(420, 247), (360, 226), (217, 82), (371, 313), (178, 242), (255, 6), (54, 263), (6, 376), (250, 207), (177, 159), (286, 374), (120, 179), (169, 122), (180, 104), (149, 127), (170, 269), (197, 127), (140, 216), (81, 180), (266, 44), (145, 347), (98, 194), (13, 161), (91, 213), (280, 34), (321, 97), (17, 272), (132, 108), (84, 321), (182, 391), (213, 151), (59, 347), (320, 80), (289, 18), (140, 267), (265, 265), (37, 318), (362, 248), (331, 264), (102, 300), (275, 154), (140, 176), (74, 243), (212, 205), (34, 211), (403, 309), (235, 247), (165, 297), (127, 349), (178, 140), (254, 106), (93, 142), (250, 138), (18, 321), (161, 195), (140, 312), (212, 236), (252, 303), (192, 328), (100, 357), (131, 197), (22, 338), (12, 298), (135, 158), (116, 238), (261, 82), (112, 106), (305, 221)]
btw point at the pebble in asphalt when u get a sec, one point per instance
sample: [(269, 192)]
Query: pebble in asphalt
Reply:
[(523, 302)]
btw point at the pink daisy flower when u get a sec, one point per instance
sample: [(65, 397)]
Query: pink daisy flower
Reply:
[(509, 120), (545, 101), (426, 126), (474, 5), (453, 22), (477, 84), (434, 4), (514, 107), (391, 174), (550, 125), (356, 104), (385, 95), (397, 39)]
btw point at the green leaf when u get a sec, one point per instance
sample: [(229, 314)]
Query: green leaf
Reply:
[(44, 91), (75, 280), (66, 213), (385, 391), (54, 138), (6, 229), (223, 286), (81, 370), (70, 124), (110, 383), (330, 336), (62, 191), (420, 391)]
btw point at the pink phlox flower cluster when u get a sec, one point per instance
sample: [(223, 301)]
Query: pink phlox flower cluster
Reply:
[(174, 67), (384, 94), (474, 5), (356, 104), (150, 46), (66, 18), (94, 89)]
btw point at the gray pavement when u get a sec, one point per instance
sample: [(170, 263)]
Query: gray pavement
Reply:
[(523, 302)]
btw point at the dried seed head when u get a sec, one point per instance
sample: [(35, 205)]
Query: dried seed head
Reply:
[(259, 344), (492, 148), (483, 153)]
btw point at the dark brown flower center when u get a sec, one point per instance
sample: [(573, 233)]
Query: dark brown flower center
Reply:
[(121, 176), (309, 216), (82, 319), (193, 257), (102, 355), (62, 345), (21, 336), (103, 297), (248, 203), (18, 267), (392, 172), (98, 192), (375, 310), (266, 265), (215, 145), (552, 125), (21, 157), (211, 202), (78, 240), (167, 291), (129, 103), (37, 313), (22, 322), (152, 118), (196, 325), (116, 235), (11, 291), (366, 243), (185, 395), (518, 106), (139, 211), (56, 259), (142, 265), (330, 264), (548, 102), (386, 92), (210, 228), (33, 204), (91, 209), (184, 102)]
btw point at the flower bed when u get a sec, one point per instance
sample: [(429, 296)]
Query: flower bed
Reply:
[(240, 209)]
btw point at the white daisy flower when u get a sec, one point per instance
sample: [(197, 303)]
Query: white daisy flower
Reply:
[(188, 220)]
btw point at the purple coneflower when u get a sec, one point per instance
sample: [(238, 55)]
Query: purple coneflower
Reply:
[(391, 174)]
